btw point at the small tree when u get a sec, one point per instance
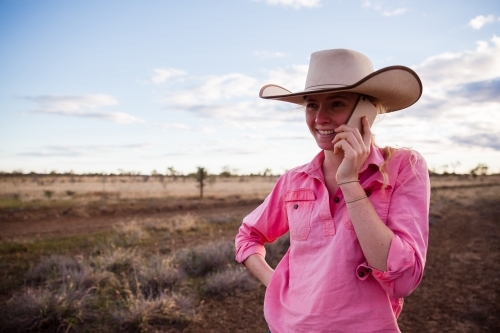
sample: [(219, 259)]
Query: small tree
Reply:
[(173, 173), (267, 172), (201, 175), (226, 172), (480, 170)]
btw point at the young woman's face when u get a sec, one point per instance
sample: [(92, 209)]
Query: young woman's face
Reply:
[(325, 112)]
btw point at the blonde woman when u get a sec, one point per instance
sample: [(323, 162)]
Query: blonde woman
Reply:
[(357, 214)]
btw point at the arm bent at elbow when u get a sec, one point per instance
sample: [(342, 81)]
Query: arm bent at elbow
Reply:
[(259, 268)]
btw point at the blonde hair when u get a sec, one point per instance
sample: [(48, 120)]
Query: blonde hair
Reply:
[(389, 151)]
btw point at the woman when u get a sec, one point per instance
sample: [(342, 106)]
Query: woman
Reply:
[(357, 214)]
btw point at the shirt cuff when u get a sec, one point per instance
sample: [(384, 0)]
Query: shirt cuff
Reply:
[(401, 257), (243, 254)]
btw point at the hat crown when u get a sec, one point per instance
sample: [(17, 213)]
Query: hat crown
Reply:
[(336, 68)]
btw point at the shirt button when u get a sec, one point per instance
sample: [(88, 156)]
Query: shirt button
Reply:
[(361, 273), (368, 193), (295, 206), (336, 199)]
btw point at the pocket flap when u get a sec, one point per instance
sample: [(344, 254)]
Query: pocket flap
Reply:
[(301, 194)]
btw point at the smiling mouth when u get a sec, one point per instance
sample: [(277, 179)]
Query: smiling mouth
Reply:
[(324, 132)]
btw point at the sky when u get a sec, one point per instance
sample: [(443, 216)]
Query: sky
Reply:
[(136, 86)]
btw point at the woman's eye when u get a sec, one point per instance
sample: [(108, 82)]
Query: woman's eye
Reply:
[(310, 105), (337, 104)]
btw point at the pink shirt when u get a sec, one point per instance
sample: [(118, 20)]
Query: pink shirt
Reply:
[(323, 283)]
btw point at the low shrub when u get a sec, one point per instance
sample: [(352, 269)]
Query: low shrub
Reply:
[(45, 310), (158, 276), (203, 259), (54, 267), (143, 314), (128, 234), (230, 281), (117, 260)]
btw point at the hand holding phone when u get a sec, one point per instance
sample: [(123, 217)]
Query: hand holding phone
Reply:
[(362, 108)]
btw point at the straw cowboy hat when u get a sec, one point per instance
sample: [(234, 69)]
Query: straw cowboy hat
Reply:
[(396, 87)]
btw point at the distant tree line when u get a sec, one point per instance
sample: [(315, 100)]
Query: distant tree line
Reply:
[(447, 169)]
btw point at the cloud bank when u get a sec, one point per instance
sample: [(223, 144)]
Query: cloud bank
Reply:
[(81, 106), (460, 102)]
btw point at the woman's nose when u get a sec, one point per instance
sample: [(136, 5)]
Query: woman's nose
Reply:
[(322, 117)]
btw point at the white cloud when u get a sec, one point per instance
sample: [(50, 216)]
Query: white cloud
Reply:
[(213, 89), (379, 7), (447, 70), (266, 54), (161, 75), (292, 78), (394, 12), (233, 98), (459, 104), (73, 151), (296, 4), (479, 21), (72, 103), (176, 126), (79, 106)]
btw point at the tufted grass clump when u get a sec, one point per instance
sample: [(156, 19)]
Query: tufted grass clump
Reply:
[(46, 310), (54, 267), (159, 275), (138, 313), (230, 281), (203, 259), (129, 234)]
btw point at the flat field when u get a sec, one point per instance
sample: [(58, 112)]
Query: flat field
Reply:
[(147, 254)]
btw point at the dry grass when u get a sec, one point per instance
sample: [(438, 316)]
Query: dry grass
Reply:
[(98, 188), (203, 259), (230, 281), (119, 285)]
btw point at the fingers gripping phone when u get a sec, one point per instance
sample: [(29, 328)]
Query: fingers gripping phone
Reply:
[(362, 108)]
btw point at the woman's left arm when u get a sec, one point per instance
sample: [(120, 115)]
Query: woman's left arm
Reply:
[(395, 252), (408, 220), (373, 235)]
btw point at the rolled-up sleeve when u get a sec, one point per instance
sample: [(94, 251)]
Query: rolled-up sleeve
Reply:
[(264, 225), (408, 218)]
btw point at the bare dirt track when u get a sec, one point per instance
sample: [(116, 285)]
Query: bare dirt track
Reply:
[(459, 293)]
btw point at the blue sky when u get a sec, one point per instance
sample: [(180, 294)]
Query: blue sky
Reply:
[(98, 86)]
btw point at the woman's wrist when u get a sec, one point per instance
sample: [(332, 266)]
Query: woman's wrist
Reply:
[(347, 182), (352, 191)]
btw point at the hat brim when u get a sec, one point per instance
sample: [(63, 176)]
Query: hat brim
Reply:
[(396, 87)]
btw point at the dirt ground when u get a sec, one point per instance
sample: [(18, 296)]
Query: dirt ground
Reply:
[(459, 293)]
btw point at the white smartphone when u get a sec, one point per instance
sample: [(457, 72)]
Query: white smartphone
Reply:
[(363, 108)]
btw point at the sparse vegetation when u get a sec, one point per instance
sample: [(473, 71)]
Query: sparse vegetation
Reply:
[(165, 269), (48, 193), (118, 285), (203, 259), (230, 281)]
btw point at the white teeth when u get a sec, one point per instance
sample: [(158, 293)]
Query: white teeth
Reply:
[(325, 132)]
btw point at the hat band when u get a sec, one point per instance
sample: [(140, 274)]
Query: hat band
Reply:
[(325, 86)]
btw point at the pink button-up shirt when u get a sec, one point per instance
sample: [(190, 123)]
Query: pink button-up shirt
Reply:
[(324, 283)]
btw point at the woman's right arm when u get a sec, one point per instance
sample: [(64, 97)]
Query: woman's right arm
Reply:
[(264, 225), (258, 266)]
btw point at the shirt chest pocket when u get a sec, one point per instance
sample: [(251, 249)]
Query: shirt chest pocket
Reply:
[(299, 206)]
